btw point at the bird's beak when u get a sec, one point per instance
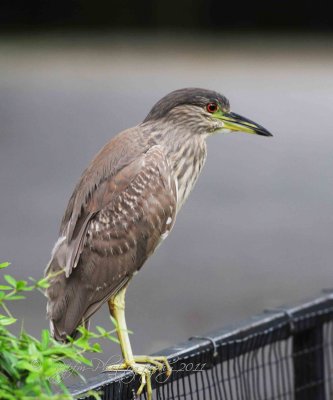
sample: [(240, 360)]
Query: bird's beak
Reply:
[(236, 122)]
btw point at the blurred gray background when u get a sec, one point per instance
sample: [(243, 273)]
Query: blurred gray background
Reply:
[(257, 230)]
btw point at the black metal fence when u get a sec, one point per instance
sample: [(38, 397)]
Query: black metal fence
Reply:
[(284, 353)]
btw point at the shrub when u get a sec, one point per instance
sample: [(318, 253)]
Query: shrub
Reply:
[(33, 368)]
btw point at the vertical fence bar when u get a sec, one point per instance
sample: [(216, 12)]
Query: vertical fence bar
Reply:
[(308, 358)]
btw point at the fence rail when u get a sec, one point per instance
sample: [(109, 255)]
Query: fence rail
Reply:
[(283, 353)]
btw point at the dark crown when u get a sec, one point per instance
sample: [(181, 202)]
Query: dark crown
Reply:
[(190, 96)]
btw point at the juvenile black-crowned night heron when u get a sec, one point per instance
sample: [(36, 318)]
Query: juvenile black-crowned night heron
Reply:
[(124, 205)]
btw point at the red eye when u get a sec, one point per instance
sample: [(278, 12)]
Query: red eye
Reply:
[(211, 107)]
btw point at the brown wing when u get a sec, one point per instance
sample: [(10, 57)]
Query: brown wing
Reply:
[(122, 223)]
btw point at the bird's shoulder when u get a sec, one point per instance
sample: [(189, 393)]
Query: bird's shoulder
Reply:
[(120, 152)]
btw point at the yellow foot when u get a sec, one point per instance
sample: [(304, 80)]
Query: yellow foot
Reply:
[(145, 366)]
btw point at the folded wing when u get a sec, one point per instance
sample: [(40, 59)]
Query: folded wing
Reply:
[(107, 234)]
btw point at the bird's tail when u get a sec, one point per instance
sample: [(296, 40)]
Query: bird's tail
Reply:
[(65, 298)]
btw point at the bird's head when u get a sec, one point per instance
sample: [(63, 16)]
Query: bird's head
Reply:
[(202, 111)]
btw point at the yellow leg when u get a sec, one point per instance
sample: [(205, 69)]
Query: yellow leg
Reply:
[(144, 366)]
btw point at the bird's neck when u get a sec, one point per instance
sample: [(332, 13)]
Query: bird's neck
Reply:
[(186, 153)]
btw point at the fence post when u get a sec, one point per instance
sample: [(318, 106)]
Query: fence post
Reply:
[(308, 360)]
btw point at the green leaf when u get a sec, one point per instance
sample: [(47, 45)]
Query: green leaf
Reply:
[(94, 394), (101, 330), (7, 321), (4, 265), (25, 365), (20, 285), (32, 349), (10, 280), (5, 287), (6, 395), (43, 283), (97, 347), (15, 297), (114, 339), (45, 338), (114, 321), (32, 377)]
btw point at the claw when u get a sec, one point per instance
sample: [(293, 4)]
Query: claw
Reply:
[(116, 367), (142, 385), (145, 366), (159, 361)]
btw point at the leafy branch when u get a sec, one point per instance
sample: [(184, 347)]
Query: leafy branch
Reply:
[(35, 368)]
